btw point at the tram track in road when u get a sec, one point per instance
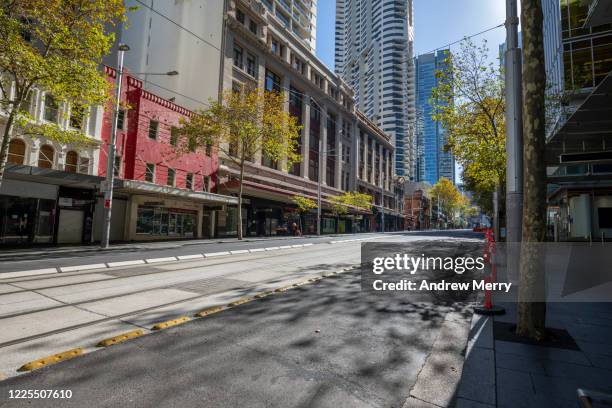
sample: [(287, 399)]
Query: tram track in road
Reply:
[(40, 290)]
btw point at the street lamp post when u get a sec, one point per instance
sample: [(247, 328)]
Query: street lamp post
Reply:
[(319, 189), (514, 126), (110, 171), (110, 165)]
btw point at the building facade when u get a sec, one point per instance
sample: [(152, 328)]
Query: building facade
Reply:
[(578, 55), (341, 150), (374, 55), (297, 16), (183, 36), (160, 191), (49, 189), (434, 162)]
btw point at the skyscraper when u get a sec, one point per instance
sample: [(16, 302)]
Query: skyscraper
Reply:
[(434, 162), (374, 55)]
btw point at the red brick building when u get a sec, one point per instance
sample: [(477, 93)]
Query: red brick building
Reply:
[(160, 191)]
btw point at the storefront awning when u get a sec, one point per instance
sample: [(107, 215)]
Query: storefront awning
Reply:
[(586, 137), (51, 176), (142, 187)]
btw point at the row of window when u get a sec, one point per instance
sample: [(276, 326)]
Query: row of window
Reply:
[(150, 176), (46, 157)]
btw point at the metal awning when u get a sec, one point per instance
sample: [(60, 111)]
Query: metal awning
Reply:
[(588, 130), (50, 176), (145, 188)]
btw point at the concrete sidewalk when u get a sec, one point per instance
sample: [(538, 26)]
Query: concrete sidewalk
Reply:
[(501, 373)]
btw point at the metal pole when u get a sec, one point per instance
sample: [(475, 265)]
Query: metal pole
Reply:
[(382, 205), (319, 190), (110, 170), (514, 126)]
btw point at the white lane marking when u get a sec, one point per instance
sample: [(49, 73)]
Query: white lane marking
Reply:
[(239, 251), (82, 267), (272, 248), (165, 259), (284, 247), (309, 244), (297, 246), (187, 257), (211, 254), (27, 273), (125, 263), (257, 250)]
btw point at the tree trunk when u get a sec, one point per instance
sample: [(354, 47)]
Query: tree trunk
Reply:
[(531, 317), (240, 199), (6, 138)]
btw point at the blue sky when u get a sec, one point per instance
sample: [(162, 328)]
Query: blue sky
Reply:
[(437, 23)]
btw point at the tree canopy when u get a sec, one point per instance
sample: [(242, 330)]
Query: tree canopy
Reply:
[(56, 46), (242, 125), (469, 102)]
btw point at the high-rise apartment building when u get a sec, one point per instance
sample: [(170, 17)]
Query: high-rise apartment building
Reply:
[(433, 162), (297, 16), (374, 55)]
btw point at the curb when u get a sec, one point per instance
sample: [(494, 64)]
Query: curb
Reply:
[(121, 338)]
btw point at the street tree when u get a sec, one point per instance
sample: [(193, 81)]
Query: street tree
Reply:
[(55, 46), (304, 205), (241, 125), (469, 103), (446, 195), (341, 204), (531, 309)]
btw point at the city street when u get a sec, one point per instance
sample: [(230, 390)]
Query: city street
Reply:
[(327, 341)]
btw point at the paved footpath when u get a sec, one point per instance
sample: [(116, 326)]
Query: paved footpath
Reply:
[(501, 373)]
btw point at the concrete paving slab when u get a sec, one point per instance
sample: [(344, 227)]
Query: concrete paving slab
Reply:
[(15, 328), (478, 379), (5, 288), (61, 280), (543, 353), (13, 357), (465, 403), (129, 303), (13, 303)]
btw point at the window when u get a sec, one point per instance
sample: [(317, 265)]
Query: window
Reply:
[(251, 65), (272, 82), (238, 56), (206, 184), (174, 134), (150, 173), (275, 47), (72, 160), (26, 104), (51, 109), (120, 119), (77, 114), (153, 127), (171, 177), (45, 157), (16, 152), (189, 181), (117, 166), (84, 165), (253, 27), (240, 16)]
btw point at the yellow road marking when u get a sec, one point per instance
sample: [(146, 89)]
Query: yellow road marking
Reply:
[(240, 301), (170, 323), (209, 311), (55, 358), (120, 338)]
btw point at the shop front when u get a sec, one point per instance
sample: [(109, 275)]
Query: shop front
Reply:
[(144, 212), (41, 206)]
